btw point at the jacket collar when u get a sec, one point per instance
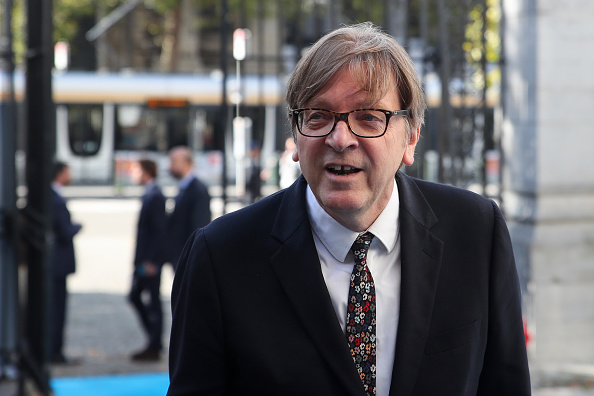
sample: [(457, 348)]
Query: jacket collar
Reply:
[(297, 267), (420, 265)]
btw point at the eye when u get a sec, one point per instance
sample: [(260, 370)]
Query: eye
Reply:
[(317, 119), (312, 115), (369, 116)]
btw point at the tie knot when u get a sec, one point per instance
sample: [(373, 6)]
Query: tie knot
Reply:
[(361, 246)]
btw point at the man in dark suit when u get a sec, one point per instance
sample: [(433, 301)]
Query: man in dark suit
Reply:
[(192, 203), (148, 261), (357, 279), (62, 260)]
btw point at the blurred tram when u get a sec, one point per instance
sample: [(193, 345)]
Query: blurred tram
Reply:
[(105, 121)]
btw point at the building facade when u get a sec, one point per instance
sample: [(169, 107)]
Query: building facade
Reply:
[(548, 177)]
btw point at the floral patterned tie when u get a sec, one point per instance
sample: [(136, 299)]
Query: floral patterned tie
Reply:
[(361, 314)]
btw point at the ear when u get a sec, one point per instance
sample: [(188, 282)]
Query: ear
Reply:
[(409, 152), (295, 155)]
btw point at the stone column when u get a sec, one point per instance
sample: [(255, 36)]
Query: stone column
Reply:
[(548, 171)]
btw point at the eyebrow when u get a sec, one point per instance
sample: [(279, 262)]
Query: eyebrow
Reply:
[(325, 104)]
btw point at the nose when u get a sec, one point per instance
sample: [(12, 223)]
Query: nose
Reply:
[(341, 138)]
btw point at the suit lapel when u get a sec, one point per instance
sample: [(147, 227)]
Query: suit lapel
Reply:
[(297, 267), (420, 260)]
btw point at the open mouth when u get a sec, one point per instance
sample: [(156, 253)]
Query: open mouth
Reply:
[(342, 170)]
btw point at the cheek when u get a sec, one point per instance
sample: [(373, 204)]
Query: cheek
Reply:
[(304, 151), (388, 154)]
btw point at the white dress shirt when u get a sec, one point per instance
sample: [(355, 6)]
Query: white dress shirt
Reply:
[(333, 243)]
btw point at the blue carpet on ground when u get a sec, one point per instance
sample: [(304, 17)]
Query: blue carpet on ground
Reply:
[(114, 385)]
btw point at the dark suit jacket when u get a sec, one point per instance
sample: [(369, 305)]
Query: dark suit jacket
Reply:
[(151, 228), (62, 254), (252, 314), (192, 211)]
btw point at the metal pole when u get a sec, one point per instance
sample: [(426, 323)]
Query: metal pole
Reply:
[(108, 21), (8, 262), (297, 22), (424, 144), (224, 107), (329, 19), (396, 19), (487, 140), (424, 22), (444, 76), (40, 117), (498, 127), (261, 53), (239, 90)]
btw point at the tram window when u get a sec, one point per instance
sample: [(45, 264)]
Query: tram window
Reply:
[(85, 124), (140, 127)]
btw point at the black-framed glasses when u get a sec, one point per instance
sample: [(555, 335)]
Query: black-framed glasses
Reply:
[(365, 123)]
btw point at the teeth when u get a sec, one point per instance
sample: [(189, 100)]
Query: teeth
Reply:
[(339, 168), (342, 169)]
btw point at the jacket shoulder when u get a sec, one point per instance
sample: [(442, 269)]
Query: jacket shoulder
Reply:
[(256, 218), (156, 193), (448, 206), (445, 196), (197, 186)]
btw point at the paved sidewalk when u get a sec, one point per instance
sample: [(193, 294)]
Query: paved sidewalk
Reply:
[(102, 333), (563, 380)]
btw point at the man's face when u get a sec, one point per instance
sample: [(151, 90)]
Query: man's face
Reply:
[(351, 177), (178, 165), (137, 174), (64, 177)]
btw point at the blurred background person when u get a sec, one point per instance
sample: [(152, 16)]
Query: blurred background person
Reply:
[(255, 178), (288, 169), (62, 260), (192, 203), (148, 261)]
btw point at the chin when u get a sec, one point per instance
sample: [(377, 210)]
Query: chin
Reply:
[(341, 202)]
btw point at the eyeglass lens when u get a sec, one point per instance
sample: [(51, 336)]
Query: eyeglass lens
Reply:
[(362, 122)]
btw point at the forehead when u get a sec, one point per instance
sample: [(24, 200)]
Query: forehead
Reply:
[(177, 155), (358, 90)]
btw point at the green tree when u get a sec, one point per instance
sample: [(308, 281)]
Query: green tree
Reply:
[(72, 18), (484, 50), (67, 14), (18, 30)]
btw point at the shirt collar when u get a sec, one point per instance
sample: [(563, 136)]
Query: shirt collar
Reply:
[(149, 186), (338, 239), (185, 181)]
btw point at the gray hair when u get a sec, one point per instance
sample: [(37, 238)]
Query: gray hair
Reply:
[(373, 57)]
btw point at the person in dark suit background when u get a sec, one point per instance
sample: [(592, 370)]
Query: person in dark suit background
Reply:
[(357, 279), (62, 260), (148, 261), (254, 180), (192, 203)]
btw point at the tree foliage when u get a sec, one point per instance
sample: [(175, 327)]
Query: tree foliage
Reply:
[(18, 30), (466, 22), (484, 51), (67, 14)]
